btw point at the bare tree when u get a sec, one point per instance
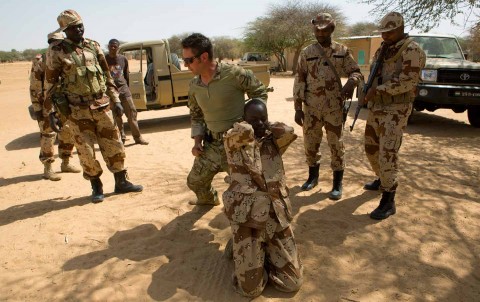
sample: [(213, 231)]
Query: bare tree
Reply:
[(361, 29), (288, 25), (426, 14)]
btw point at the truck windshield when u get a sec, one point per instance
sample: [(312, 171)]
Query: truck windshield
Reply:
[(439, 47)]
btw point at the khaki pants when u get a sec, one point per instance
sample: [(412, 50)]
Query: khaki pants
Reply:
[(47, 141), (313, 124), (131, 113), (92, 126), (383, 138), (258, 258)]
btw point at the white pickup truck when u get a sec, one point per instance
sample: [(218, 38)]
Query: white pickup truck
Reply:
[(157, 82)]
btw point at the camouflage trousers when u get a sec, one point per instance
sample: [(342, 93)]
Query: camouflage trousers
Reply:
[(258, 257), (131, 113), (313, 124), (90, 126), (212, 161), (47, 141), (383, 138)]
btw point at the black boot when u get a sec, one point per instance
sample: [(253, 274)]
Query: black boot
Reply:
[(372, 186), (386, 207), (122, 185), (336, 192), (97, 190), (312, 180)]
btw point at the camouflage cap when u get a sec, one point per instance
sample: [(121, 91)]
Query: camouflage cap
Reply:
[(323, 20), (391, 21), (68, 18), (56, 35)]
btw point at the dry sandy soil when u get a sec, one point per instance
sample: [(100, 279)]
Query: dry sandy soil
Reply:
[(56, 245)]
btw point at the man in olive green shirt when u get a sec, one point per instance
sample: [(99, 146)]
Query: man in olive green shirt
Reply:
[(216, 101)]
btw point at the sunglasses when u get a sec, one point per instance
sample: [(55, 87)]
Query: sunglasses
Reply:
[(189, 61)]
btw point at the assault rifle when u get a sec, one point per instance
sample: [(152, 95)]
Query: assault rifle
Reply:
[(376, 66)]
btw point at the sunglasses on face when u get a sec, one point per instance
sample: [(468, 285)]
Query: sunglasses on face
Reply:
[(189, 61)]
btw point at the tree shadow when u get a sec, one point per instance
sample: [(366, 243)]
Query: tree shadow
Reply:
[(204, 273)]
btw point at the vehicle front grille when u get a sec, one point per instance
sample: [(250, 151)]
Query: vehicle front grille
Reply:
[(460, 76)]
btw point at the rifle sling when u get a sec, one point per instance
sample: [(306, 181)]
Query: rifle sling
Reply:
[(324, 55)]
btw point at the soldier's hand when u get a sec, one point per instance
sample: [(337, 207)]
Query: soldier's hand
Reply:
[(347, 90), (55, 122), (299, 117), (197, 149), (118, 109), (39, 115), (370, 94)]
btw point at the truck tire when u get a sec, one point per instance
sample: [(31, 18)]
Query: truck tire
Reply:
[(474, 116)]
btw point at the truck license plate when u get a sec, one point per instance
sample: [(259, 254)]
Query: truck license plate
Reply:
[(467, 93)]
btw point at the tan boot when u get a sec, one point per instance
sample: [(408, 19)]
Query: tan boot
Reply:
[(48, 173), (67, 167), (141, 141)]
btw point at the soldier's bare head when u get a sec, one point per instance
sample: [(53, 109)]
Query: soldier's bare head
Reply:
[(323, 28), (255, 113), (197, 52)]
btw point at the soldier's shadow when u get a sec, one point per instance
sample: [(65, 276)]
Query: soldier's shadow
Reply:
[(331, 225), (194, 264), (28, 141)]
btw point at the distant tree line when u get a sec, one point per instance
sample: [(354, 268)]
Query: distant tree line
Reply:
[(14, 55)]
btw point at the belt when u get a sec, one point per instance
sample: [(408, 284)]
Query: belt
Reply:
[(217, 135), (83, 100)]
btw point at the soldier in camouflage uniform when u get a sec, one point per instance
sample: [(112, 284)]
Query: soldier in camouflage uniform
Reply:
[(257, 204), (216, 100), (79, 66), (47, 135), (389, 105), (319, 99)]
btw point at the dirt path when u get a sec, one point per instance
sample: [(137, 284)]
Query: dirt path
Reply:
[(56, 245)]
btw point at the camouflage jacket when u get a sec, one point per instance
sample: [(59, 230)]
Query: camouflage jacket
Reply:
[(315, 82), (399, 75), (76, 71), (219, 104), (258, 187), (37, 78)]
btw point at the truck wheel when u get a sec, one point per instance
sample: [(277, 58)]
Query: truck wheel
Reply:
[(474, 116)]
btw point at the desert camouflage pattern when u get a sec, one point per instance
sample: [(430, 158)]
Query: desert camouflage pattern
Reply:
[(47, 135), (259, 210), (211, 162), (315, 120), (90, 78), (96, 126), (67, 18), (390, 22), (85, 79), (389, 110), (316, 91)]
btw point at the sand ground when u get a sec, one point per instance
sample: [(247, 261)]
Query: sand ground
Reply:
[(55, 245)]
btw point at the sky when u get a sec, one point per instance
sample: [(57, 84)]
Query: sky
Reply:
[(25, 24)]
